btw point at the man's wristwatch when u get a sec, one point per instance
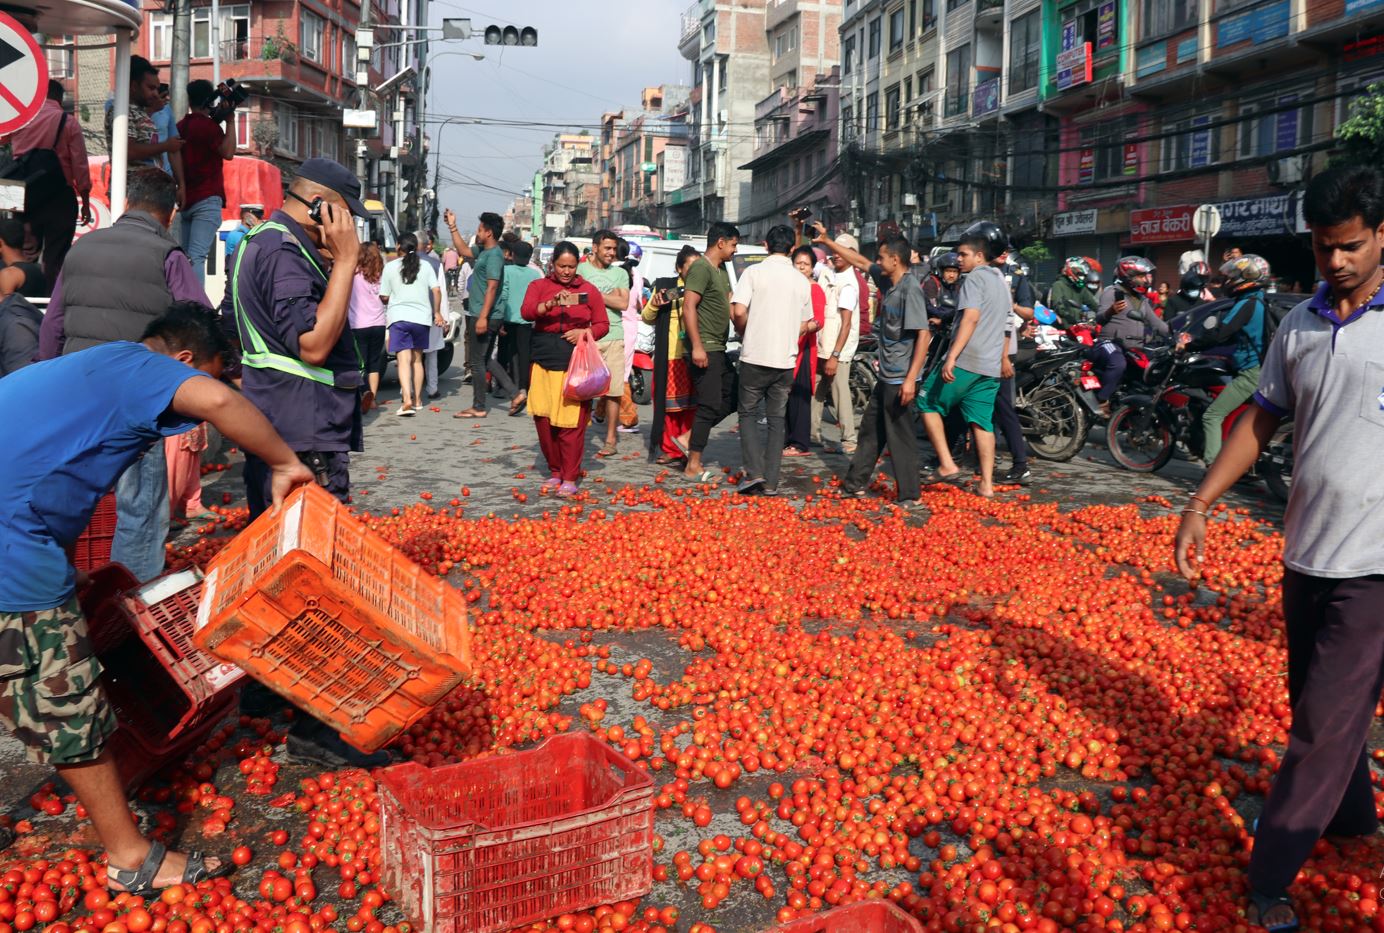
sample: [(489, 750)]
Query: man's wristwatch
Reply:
[(836, 354)]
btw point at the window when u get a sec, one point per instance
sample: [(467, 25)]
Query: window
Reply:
[(874, 39), (848, 55), (785, 42), (907, 90), (956, 4), (896, 30), (912, 18), (709, 33), (348, 53), (160, 36), (1195, 146), (1165, 16), (891, 109), (848, 122), (1086, 14), (1281, 128), (287, 119), (62, 61), (721, 69), (234, 33), (872, 113), (1106, 144), (929, 14), (1025, 46), (925, 82), (958, 88), (242, 126), (310, 31)]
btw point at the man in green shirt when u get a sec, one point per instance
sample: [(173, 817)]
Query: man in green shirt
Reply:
[(613, 283), (482, 307), (706, 317)]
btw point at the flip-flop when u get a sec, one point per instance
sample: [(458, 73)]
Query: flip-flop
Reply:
[(517, 410), (957, 479), (681, 446), (1263, 903), (139, 882), (609, 450), (706, 476)]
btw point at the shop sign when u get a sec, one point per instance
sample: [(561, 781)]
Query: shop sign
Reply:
[(1074, 58), (1187, 50), (1362, 6), (1151, 59), (1075, 223), (1261, 24), (986, 98), (1131, 158), (1086, 167), (1161, 224), (1105, 25), (1249, 217)]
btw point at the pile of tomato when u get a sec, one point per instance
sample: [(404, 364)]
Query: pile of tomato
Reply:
[(1008, 717)]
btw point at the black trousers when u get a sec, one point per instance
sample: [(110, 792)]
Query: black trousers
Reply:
[(53, 223), (800, 408), (477, 353), (1335, 674), (1007, 423), (516, 353), (715, 389), (886, 422)]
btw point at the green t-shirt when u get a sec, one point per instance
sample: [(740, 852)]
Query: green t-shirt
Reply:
[(712, 283), (606, 281), (512, 292), (488, 266)]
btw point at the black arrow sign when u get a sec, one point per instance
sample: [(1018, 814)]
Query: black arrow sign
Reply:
[(9, 54)]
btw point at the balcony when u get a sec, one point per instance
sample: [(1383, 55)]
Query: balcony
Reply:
[(774, 101), (263, 49)]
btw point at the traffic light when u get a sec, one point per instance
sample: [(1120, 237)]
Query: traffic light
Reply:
[(498, 34)]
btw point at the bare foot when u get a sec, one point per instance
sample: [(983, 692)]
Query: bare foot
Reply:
[(986, 490)]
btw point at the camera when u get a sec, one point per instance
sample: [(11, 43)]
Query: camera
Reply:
[(229, 96), (801, 213)]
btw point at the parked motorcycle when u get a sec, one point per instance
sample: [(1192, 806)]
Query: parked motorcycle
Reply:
[(864, 372), (642, 369), (1054, 406), (1147, 429)]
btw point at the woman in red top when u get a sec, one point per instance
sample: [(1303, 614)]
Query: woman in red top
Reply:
[(563, 306), (800, 398)]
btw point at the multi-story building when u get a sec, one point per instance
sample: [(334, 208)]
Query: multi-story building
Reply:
[(571, 186), (519, 217), (728, 46), (630, 182)]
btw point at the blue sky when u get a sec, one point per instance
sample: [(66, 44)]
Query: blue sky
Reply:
[(591, 58)]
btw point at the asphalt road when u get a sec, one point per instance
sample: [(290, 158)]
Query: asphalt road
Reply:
[(497, 458)]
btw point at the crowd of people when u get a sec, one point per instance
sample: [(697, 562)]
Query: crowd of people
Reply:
[(135, 362)]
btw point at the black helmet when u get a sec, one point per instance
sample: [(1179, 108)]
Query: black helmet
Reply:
[(1194, 279), (948, 260), (996, 240)]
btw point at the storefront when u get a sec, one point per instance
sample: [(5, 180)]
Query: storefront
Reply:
[(1266, 226), (1094, 232)]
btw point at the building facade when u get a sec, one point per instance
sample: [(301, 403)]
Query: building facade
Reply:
[(571, 186)]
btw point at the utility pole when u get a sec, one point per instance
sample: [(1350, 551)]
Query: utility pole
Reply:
[(216, 42), (182, 53), (363, 83)]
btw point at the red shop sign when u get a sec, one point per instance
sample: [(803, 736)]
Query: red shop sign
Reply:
[(1162, 224)]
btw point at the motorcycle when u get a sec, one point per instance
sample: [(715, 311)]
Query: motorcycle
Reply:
[(1148, 428), (642, 369), (1054, 403), (864, 372)]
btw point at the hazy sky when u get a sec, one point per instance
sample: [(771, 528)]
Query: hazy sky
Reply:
[(590, 58)]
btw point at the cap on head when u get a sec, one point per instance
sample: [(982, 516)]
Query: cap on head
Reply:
[(848, 241), (336, 177)]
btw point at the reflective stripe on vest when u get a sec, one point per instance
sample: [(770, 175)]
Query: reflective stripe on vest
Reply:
[(260, 357)]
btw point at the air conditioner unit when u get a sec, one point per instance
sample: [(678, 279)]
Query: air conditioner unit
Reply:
[(1287, 171)]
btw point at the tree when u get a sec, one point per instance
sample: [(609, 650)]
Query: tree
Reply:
[(1362, 134)]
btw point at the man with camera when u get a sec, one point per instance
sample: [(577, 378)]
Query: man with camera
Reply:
[(206, 147)]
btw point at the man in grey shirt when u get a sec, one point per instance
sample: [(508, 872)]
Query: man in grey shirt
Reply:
[(1126, 316), (1325, 371), (970, 377)]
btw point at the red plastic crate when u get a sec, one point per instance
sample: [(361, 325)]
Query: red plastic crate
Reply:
[(326, 613), (162, 700), (93, 547), (138, 762), (489, 845), (864, 917)]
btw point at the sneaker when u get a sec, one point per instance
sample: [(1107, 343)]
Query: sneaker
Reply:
[(750, 487), (325, 748), (434, 394), (1018, 476), (632, 429)]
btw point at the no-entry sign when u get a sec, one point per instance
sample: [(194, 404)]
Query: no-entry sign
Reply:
[(23, 75)]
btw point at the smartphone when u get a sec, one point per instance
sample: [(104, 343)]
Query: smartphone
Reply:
[(581, 298), (315, 209)]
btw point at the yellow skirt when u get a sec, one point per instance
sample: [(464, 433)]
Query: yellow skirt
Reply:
[(547, 401)]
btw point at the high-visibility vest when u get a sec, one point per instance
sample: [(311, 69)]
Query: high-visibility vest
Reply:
[(257, 354)]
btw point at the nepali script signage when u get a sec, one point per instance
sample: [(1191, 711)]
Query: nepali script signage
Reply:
[(1161, 224), (1257, 216), (1074, 223), (1074, 59)]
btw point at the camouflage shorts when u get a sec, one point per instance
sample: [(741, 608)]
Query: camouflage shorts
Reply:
[(51, 697)]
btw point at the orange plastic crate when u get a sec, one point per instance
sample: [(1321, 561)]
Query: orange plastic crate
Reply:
[(93, 547), (326, 613), (489, 845), (864, 917)]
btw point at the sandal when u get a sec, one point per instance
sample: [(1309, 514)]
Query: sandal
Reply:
[(957, 479), (517, 408), (609, 450), (706, 476), (139, 882), (1263, 903)]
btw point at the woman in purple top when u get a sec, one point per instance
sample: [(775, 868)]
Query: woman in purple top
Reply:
[(367, 319)]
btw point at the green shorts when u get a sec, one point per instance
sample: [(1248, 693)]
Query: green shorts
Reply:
[(51, 697), (972, 394)]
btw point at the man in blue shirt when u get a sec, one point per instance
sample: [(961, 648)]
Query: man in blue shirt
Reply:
[(488, 270), (251, 216), (70, 426)]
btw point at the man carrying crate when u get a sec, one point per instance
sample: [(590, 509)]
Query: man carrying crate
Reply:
[(71, 426)]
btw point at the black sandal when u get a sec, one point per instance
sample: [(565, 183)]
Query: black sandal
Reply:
[(1263, 903), (139, 882)]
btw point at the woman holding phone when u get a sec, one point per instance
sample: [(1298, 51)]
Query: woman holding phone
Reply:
[(675, 404), (563, 307)]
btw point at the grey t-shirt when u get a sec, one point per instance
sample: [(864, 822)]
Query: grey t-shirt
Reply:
[(985, 290), (902, 314), (1136, 326), (1329, 378)]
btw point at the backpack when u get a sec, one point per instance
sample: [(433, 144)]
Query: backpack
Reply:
[(40, 170), (1274, 313), (19, 327)]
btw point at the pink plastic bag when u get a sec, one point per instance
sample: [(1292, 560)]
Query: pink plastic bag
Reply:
[(587, 375)]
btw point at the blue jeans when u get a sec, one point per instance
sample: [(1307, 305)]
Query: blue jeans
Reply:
[(141, 515), (197, 233)]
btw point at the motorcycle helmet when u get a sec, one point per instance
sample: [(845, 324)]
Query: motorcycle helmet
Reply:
[(948, 260), (1076, 269), (636, 251), (996, 240), (1044, 315), (1244, 273), (1093, 280), (1195, 279), (1130, 267)]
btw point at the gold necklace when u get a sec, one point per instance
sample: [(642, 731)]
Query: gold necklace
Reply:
[(1372, 295)]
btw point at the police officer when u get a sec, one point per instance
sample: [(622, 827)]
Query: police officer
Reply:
[(288, 292)]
